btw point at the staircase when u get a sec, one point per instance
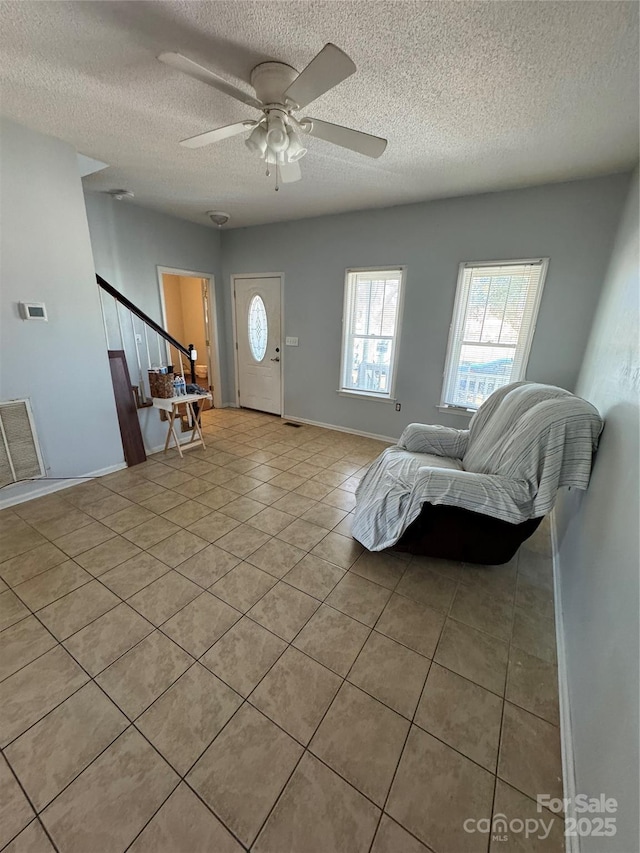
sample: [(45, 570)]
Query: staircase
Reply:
[(130, 332)]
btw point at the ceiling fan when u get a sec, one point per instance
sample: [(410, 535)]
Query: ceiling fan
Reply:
[(280, 92)]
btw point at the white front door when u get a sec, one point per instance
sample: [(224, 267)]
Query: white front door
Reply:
[(259, 344)]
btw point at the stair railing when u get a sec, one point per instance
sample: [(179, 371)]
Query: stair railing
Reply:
[(148, 323)]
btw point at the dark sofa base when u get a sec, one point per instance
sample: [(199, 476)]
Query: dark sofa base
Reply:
[(453, 533)]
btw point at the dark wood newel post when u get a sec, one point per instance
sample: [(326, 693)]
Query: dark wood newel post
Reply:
[(192, 362)]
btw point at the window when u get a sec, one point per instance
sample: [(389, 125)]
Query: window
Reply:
[(372, 305), (258, 330), (493, 324)]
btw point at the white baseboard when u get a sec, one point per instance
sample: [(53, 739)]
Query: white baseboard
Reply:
[(566, 732), (151, 450), (46, 487), (373, 435), (187, 438), (295, 420)]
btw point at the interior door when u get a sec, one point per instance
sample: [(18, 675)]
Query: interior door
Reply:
[(259, 346)]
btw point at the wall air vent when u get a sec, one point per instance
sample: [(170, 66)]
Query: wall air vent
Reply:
[(20, 457)]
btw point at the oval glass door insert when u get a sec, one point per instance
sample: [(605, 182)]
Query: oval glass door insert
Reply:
[(258, 328)]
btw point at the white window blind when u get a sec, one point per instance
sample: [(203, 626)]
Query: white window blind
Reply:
[(372, 308), (493, 324)]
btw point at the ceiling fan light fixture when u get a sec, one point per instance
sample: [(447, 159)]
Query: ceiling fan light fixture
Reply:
[(257, 141), (277, 136), (277, 139), (304, 125), (295, 149)]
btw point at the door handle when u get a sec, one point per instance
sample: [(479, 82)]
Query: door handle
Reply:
[(277, 358)]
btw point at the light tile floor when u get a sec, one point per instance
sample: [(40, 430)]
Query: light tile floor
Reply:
[(197, 656)]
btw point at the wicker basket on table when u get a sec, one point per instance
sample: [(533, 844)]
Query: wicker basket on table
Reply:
[(161, 384)]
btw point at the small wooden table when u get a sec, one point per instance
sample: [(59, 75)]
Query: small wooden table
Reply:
[(170, 405)]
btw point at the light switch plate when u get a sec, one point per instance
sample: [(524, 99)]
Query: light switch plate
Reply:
[(291, 342)]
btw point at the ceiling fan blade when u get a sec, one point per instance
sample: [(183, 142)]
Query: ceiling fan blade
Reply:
[(193, 69), (290, 172), (363, 143), (328, 68), (216, 135)]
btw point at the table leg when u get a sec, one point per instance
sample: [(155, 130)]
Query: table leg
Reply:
[(196, 424), (169, 428), (172, 431)]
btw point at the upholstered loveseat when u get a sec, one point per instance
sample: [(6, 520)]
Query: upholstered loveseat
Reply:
[(476, 494)]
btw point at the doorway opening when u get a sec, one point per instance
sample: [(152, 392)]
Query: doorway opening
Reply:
[(189, 315)]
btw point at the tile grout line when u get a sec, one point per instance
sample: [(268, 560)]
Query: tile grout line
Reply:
[(208, 589), (204, 589), (242, 704), (344, 678), (247, 701), (401, 752), (132, 722), (28, 798), (502, 708), (130, 725), (507, 701), (411, 724), (383, 810), (125, 601), (305, 747)]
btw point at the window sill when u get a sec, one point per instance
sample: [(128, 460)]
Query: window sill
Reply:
[(456, 410), (363, 395)]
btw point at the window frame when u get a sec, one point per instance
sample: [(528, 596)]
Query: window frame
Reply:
[(347, 336), (454, 346)]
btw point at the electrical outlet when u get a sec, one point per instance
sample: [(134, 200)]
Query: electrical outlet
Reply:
[(291, 342), (138, 339), (398, 406)]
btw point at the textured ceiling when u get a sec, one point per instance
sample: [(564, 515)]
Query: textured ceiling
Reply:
[(472, 96)]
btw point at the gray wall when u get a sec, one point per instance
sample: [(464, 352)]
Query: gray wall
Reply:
[(599, 554), (573, 224), (129, 242), (61, 365)]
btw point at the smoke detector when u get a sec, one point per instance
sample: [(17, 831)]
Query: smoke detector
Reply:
[(218, 217), (120, 194)]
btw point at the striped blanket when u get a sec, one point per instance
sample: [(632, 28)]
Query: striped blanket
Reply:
[(522, 444)]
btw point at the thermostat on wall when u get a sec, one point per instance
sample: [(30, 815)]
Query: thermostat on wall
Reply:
[(33, 311)]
